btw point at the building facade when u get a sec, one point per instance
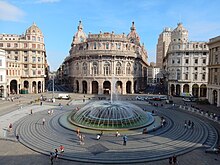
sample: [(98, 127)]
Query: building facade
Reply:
[(154, 74), (99, 63), (2, 74), (25, 61), (214, 71), (186, 65), (162, 46)]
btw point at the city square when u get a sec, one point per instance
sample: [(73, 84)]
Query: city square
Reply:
[(109, 82), (154, 147)]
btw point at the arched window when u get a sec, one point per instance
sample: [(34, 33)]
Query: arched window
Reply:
[(128, 68), (94, 45), (106, 68), (135, 68), (84, 68), (94, 68), (118, 68), (178, 74), (77, 66), (107, 45)]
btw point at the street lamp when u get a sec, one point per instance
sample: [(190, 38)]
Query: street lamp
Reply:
[(53, 99)]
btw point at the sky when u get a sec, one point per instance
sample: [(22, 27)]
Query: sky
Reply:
[(58, 20)]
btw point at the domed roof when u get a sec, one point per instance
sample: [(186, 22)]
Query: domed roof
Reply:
[(80, 35), (105, 115), (33, 29), (180, 28), (133, 36)]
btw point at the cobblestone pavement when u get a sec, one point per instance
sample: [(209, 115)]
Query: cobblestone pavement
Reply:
[(13, 153)]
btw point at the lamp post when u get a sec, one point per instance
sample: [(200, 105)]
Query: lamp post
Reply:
[(53, 99)]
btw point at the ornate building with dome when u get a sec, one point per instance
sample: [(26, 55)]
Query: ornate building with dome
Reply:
[(186, 65), (100, 62), (26, 63)]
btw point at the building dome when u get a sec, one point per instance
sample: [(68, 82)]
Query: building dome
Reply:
[(104, 115), (179, 34), (80, 35), (33, 30)]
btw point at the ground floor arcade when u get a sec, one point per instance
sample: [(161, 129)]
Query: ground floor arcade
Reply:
[(105, 86), (214, 95), (197, 90), (24, 86)]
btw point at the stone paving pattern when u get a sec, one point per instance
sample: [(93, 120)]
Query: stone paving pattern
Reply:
[(12, 152)]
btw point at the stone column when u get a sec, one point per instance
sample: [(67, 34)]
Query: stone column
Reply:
[(89, 87), (218, 99), (80, 86), (100, 87)]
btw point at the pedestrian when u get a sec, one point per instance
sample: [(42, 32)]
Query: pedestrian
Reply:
[(189, 124), (170, 160), (31, 112), (17, 137), (10, 127), (51, 158), (43, 121), (48, 112), (41, 103), (174, 159), (185, 124), (61, 149), (125, 138), (78, 131), (117, 134), (56, 153), (192, 125)]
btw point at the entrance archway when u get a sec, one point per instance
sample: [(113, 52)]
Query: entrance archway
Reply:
[(215, 97), (203, 90), (177, 90), (195, 90), (128, 87), (77, 86), (118, 87), (95, 87), (39, 87), (186, 88), (13, 87), (34, 86), (172, 89), (84, 87), (106, 87), (26, 84)]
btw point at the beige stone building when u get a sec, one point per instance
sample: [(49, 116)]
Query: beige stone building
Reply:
[(25, 61), (162, 46), (100, 62), (2, 74), (186, 65), (214, 71)]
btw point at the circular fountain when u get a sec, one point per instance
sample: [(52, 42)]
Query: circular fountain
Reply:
[(105, 115)]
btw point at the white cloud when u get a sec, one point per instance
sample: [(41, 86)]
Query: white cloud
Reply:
[(47, 1), (9, 12)]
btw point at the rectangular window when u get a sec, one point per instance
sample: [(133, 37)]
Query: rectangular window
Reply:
[(195, 76), (1, 78), (25, 58), (33, 72), (33, 38), (38, 59), (186, 76), (33, 46), (187, 53), (204, 61), (8, 45), (0, 62), (33, 65), (203, 76), (203, 68), (16, 52), (1, 44), (33, 59), (25, 66), (204, 53), (25, 45), (196, 61), (196, 68), (16, 58), (15, 45), (25, 52), (187, 61)]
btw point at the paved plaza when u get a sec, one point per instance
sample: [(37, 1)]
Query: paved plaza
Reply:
[(36, 140)]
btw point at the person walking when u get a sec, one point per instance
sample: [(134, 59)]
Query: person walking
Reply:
[(51, 158), (174, 159), (170, 160), (43, 121), (61, 149), (10, 127), (125, 138), (192, 125)]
